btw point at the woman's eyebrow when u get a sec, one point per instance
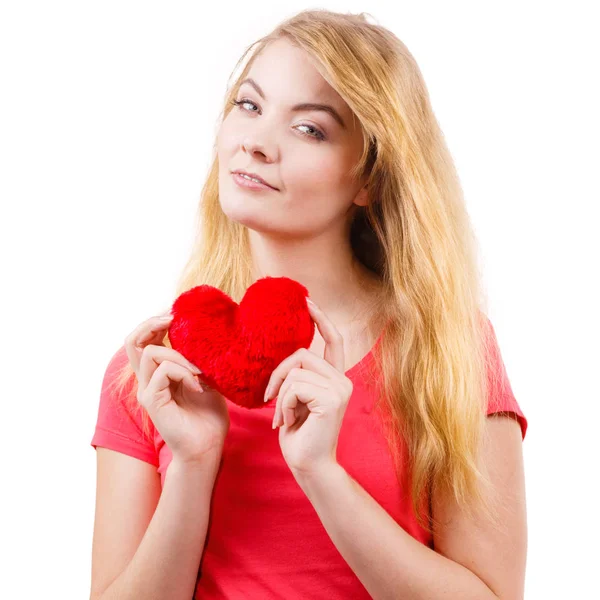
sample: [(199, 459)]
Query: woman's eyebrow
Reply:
[(303, 105)]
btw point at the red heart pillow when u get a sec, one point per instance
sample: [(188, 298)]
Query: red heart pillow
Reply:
[(237, 346)]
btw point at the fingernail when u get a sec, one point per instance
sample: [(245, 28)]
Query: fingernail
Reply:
[(195, 369), (267, 393), (166, 317)]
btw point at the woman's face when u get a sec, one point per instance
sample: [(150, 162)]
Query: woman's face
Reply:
[(306, 154)]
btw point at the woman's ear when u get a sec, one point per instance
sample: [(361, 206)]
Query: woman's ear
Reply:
[(362, 198)]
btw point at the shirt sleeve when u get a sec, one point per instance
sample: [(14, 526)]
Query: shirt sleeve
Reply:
[(118, 426), (500, 396)]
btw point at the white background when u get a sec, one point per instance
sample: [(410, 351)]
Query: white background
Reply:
[(108, 115)]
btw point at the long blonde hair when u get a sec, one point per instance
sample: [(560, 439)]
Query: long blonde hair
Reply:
[(415, 234)]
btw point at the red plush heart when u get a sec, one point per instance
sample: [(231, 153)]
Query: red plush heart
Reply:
[(237, 346)]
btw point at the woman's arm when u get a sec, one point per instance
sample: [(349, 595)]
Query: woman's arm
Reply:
[(475, 562), (166, 562)]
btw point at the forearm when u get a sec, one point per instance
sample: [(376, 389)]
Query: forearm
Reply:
[(389, 562), (165, 565)]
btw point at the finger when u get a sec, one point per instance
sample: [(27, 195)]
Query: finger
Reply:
[(334, 342), (301, 358), (150, 331), (163, 376), (277, 417), (154, 334), (151, 325), (153, 356), (276, 414), (302, 375), (297, 393)]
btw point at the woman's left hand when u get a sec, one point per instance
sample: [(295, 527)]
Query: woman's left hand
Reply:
[(312, 396)]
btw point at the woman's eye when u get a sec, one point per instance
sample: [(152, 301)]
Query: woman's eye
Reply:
[(318, 135), (238, 102)]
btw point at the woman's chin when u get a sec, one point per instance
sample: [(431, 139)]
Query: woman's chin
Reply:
[(248, 218), (259, 221)]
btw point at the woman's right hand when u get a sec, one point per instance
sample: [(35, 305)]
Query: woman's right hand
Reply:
[(193, 420)]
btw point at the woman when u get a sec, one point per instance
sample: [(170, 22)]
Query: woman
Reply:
[(384, 477)]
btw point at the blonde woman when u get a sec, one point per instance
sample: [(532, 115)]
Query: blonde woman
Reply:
[(374, 469)]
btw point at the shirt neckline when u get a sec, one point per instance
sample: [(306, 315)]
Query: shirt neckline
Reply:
[(352, 370)]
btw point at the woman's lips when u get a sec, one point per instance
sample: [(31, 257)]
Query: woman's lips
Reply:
[(249, 184)]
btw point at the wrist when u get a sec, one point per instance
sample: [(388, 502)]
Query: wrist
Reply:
[(207, 465), (316, 474)]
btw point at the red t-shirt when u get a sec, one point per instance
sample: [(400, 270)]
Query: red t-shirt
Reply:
[(265, 539)]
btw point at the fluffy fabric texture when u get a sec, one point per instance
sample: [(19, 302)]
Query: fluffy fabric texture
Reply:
[(237, 346)]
